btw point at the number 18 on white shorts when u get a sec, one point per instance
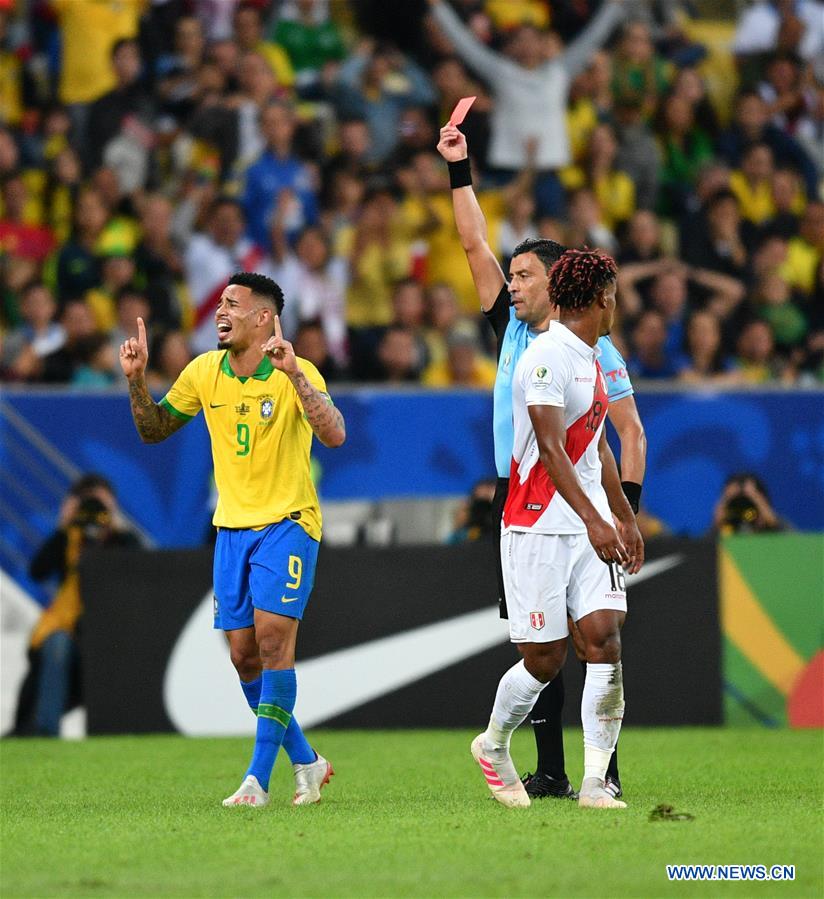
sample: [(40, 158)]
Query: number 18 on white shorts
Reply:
[(548, 575)]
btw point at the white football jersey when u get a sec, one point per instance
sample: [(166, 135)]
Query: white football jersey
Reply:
[(557, 369)]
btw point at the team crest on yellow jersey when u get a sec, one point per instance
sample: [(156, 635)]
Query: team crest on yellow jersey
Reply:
[(267, 407)]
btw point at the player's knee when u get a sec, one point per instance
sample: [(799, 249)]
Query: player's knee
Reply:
[(542, 662), (247, 664), (605, 648), (274, 652)]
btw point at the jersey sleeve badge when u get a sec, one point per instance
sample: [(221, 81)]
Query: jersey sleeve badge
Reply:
[(541, 377)]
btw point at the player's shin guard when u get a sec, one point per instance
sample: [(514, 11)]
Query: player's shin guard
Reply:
[(277, 699), (602, 711), (517, 692)]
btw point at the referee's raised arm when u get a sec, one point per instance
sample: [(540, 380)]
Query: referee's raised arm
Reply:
[(469, 219)]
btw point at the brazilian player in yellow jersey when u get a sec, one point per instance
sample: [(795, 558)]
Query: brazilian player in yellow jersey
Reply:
[(262, 404)]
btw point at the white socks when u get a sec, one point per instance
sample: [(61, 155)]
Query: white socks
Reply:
[(602, 710), (517, 693)]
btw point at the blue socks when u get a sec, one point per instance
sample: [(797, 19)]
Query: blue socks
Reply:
[(297, 746), (272, 696), (277, 699), (251, 690), (294, 743)]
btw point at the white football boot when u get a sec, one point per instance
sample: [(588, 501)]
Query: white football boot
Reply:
[(594, 795), (500, 774), (250, 792), (309, 779)]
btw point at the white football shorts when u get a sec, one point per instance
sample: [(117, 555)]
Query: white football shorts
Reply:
[(548, 575)]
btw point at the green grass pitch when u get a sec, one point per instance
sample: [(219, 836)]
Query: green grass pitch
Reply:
[(408, 814)]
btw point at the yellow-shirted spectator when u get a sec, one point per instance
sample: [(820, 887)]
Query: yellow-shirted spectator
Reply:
[(465, 365), (590, 102), (33, 181), (614, 189), (615, 192), (752, 184), (249, 36), (11, 95), (582, 119), (427, 215), (787, 193), (278, 62), (379, 255), (57, 126), (442, 313), (58, 201), (88, 29), (805, 252), (117, 272), (431, 217)]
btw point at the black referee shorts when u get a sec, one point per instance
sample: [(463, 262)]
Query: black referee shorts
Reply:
[(498, 501)]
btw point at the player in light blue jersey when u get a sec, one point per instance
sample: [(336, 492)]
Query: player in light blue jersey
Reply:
[(518, 311)]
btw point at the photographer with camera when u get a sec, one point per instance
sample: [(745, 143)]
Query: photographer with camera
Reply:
[(476, 520), (744, 508), (89, 516)]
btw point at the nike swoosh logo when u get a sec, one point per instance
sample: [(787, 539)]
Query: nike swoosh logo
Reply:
[(289, 598), (200, 679), (218, 406)]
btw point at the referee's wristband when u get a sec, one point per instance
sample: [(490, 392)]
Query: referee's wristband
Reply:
[(460, 174), (632, 492)]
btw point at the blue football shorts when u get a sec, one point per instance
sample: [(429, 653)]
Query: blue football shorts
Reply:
[(271, 569)]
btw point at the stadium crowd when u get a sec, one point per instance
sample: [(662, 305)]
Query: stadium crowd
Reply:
[(149, 150)]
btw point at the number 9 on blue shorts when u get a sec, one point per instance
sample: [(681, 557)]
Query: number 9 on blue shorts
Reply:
[(271, 569)]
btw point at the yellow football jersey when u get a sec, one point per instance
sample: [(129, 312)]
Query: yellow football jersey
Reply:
[(260, 440)]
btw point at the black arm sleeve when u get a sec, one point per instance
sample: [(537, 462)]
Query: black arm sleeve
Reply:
[(50, 559), (498, 316)]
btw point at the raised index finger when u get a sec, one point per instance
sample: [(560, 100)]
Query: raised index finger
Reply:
[(141, 333), (278, 332)]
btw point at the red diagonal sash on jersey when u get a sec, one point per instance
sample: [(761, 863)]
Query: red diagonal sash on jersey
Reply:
[(526, 502), (208, 304)]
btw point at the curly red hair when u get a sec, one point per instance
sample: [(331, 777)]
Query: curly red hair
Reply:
[(579, 276)]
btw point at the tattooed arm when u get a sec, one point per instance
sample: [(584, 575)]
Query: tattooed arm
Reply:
[(325, 419), (153, 422), (321, 413)]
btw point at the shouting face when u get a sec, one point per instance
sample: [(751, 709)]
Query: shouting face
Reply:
[(241, 319)]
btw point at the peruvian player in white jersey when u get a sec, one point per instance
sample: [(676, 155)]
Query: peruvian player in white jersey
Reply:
[(560, 552), (557, 369)]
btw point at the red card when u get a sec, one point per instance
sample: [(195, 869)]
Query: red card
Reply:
[(460, 110)]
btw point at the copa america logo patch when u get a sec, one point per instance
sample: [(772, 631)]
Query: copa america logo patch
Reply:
[(267, 407), (536, 619), (541, 378)]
